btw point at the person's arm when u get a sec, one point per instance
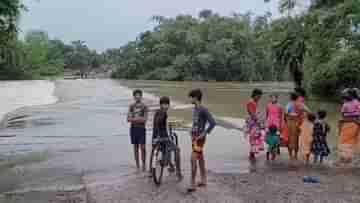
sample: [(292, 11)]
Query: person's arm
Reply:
[(129, 115), (144, 118), (282, 118), (155, 125), (251, 108), (210, 120)]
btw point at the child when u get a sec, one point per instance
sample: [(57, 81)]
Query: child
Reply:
[(302, 94), (320, 148), (201, 117), (253, 125), (160, 131), (292, 122), (349, 126), (273, 142), (306, 136), (274, 115), (137, 117)]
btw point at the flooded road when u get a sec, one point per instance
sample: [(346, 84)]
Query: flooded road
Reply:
[(86, 136)]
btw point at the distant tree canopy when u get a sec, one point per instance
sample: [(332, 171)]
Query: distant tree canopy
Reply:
[(318, 48), (37, 55), (211, 47)]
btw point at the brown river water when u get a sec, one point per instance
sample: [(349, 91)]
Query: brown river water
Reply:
[(227, 99), (86, 134)]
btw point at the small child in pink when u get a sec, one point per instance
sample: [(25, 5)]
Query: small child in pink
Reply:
[(274, 113), (274, 117)]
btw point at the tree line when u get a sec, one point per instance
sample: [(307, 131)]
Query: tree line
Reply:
[(37, 56), (318, 48)]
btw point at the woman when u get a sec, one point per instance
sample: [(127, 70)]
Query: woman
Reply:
[(349, 126), (253, 125), (293, 121)]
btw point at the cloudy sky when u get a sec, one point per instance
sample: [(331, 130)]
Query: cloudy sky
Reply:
[(112, 23)]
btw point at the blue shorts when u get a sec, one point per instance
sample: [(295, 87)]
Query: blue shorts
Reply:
[(138, 135)]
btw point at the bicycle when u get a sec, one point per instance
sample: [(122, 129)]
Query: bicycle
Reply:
[(161, 156)]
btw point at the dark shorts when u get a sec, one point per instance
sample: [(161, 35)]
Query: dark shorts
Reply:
[(138, 135)]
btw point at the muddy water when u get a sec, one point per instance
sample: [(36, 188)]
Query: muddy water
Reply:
[(93, 113), (227, 100)]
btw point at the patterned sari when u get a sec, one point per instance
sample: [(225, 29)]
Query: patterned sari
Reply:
[(253, 129)]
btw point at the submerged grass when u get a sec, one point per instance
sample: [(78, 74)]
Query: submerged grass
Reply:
[(22, 160)]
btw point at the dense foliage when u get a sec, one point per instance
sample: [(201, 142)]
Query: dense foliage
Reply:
[(319, 48), (37, 55), (210, 47)]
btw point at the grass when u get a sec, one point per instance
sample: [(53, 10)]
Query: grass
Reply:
[(22, 160)]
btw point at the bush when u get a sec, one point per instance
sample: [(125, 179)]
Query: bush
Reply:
[(342, 71)]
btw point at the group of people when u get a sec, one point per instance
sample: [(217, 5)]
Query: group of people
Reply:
[(300, 130), (202, 125), (294, 127)]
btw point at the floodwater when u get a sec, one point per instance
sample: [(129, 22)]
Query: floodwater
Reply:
[(227, 100), (93, 113)]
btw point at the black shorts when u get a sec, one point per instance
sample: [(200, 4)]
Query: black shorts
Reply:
[(138, 135)]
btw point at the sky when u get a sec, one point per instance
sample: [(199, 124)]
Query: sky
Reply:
[(106, 24)]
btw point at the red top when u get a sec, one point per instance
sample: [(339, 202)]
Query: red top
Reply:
[(251, 107)]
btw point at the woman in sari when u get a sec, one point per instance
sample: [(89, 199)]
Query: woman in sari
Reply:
[(253, 127), (349, 126), (293, 122)]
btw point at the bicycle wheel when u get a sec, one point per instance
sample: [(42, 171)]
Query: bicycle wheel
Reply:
[(157, 165)]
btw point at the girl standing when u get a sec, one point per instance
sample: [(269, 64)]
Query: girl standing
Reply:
[(253, 127), (320, 148)]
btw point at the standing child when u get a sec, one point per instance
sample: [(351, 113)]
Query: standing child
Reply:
[(306, 136), (160, 130), (137, 117), (274, 115), (201, 118), (320, 148), (273, 142), (253, 125)]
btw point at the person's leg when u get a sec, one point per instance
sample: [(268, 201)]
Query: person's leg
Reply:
[(290, 154), (178, 163), (151, 160), (296, 155), (321, 159), (273, 155), (316, 158), (307, 159), (136, 155), (202, 171), (193, 172), (268, 155), (143, 156)]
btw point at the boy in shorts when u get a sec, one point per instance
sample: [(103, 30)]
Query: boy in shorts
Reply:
[(137, 117), (201, 118)]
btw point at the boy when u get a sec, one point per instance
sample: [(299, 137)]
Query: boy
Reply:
[(201, 117), (160, 131), (137, 117)]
